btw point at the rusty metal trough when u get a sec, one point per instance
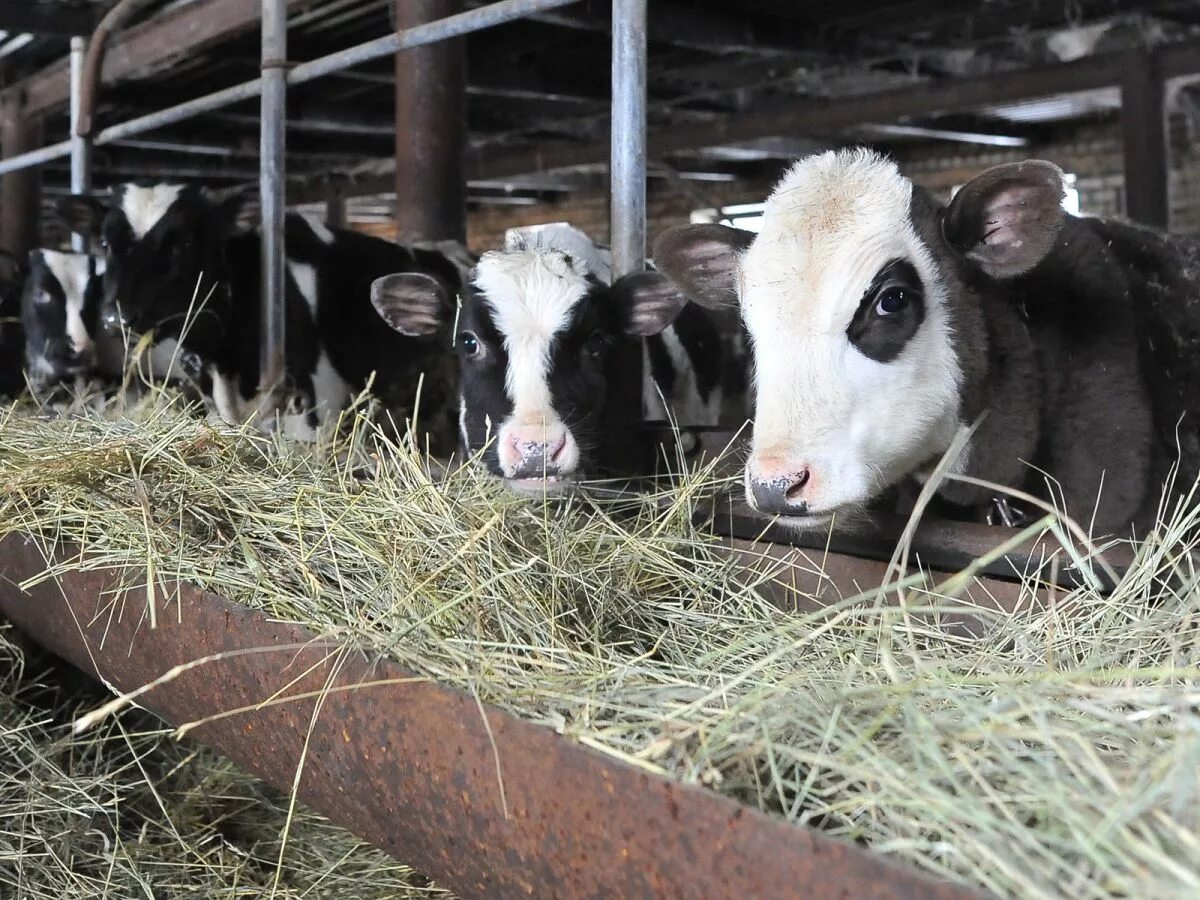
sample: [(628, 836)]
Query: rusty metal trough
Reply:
[(470, 795)]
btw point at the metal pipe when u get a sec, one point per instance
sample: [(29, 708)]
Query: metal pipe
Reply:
[(20, 211), (431, 131), (81, 146), (485, 803), (444, 29), (271, 191), (628, 168), (84, 117)]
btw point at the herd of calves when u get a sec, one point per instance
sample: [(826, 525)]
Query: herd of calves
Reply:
[(1054, 355)]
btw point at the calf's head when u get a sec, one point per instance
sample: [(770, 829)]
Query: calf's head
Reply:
[(537, 336), (164, 246), (60, 305), (861, 300)]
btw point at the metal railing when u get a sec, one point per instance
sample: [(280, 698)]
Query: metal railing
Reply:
[(628, 237)]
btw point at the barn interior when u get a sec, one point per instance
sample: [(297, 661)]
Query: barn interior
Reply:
[(734, 92), (664, 702)]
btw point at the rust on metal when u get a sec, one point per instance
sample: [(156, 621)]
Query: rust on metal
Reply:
[(410, 765), (431, 130)]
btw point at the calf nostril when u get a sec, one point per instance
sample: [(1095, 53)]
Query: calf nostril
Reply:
[(558, 449), (797, 486)]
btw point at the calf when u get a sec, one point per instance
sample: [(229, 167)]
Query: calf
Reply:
[(881, 323), (60, 310), (541, 338), (65, 341), (178, 266)]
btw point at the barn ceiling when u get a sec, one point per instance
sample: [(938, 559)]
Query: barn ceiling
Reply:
[(544, 83)]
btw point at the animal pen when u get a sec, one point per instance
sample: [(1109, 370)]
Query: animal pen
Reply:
[(429, 768)]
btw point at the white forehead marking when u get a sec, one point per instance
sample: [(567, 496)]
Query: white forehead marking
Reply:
[(531, 294), (319, 228), (144, 207), (828, 227), (585, 255), (71, 272), (305, 276)]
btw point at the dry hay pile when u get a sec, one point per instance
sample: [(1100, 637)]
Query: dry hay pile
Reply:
[(125, 811), (1057, 754)]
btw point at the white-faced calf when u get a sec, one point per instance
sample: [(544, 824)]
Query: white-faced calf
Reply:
[(881, 323), (541, 337), (60, 312)]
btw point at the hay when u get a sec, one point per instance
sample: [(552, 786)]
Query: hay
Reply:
[(125, 811), (1059, 753)]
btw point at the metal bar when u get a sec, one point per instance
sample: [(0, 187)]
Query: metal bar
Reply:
[(628, 138), (21, 209), (85, 91), (431, 130), (271, 191), (81, 147), (411, 765), (1144, 142), (444, 29)]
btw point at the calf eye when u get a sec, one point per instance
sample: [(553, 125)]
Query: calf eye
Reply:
[(891, 300), (470, 345), (596, 343)]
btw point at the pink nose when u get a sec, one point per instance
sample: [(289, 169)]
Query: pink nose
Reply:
[(777, 486), (533, 452)]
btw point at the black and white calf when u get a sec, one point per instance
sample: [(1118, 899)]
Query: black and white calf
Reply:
[(60, 314), (539, 339), (881, 323), (178, 265)]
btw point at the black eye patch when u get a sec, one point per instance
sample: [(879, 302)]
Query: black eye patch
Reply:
[(891, 311)]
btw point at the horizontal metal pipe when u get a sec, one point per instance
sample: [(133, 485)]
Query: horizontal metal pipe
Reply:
[(441, 30), (468, 794)]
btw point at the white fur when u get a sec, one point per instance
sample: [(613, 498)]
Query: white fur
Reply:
[(532, 294), (330, 390), (305, 277), (144, 207), (563, 238), (856, 424), (225, 397), (71, 271), (320, 229)]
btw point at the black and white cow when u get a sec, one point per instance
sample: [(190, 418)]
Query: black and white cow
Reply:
[(881, 323), (65, 343), (539, 340), (60, 315), (178, 265)]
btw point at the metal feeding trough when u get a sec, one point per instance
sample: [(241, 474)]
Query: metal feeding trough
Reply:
[(471, 796)]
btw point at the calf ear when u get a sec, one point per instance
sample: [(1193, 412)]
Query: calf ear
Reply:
[(1007, 219), (82, 214), (702, 260), (648, 302), (413, 303)]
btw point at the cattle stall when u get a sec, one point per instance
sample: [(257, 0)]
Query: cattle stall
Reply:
[(412, 765)]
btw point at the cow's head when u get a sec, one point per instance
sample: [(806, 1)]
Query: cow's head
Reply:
[(165, 248), (856, 297), (537, 336), (60, 305)]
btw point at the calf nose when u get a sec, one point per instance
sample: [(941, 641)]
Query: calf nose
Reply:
[(538, 457), (780, 494)]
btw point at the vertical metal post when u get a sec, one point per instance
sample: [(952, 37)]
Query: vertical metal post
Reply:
[(271, 189), (335, 208), (1144, 141), (81, 147), (431, 130), (628, 207), (20, 191), (627, 181)]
